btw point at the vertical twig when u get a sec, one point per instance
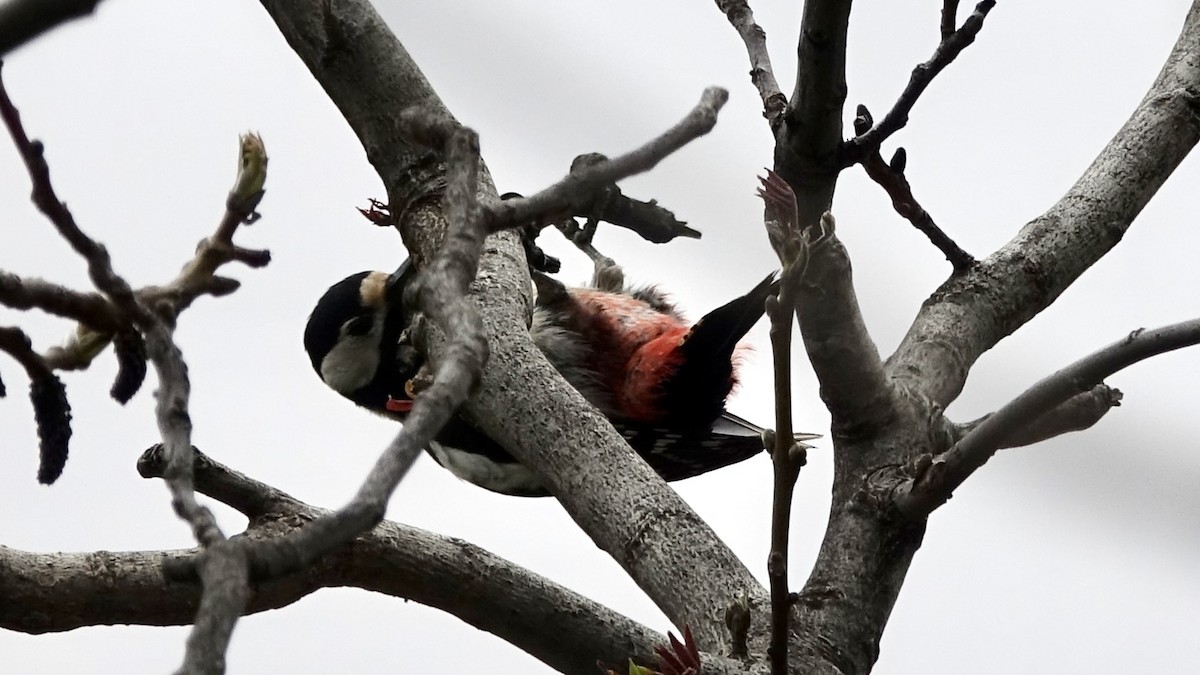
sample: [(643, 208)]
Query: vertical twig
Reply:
[(788, 455), (786, 458)]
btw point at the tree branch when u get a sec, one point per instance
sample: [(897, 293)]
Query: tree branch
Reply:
[(99, 264), (646, 530), (854, 386), (221, 567), (23, 20), (972, 312), (762, 75), (90, 309), (787, 456), (42, 593), (646, 219), (924, 493), (440, 293), (366, 71), (951, 45), (590, 178), (1077, 413), (949, 22), (808, 145), (890, 177)]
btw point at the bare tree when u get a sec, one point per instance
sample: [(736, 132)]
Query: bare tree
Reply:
[(897, 456)]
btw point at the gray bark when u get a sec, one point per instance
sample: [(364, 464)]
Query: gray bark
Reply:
[(887, 419)]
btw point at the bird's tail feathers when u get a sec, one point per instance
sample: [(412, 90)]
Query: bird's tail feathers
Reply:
[(719, 331), (729, 424)]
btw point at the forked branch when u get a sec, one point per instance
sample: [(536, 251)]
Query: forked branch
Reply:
[(951, 45), (579, 188), (141, 325), (890, 176), (1077, 413), (919, 496)]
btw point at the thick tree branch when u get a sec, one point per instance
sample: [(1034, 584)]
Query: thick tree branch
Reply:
[(843, 356), (808, 144), (970, 313), (762, 75), (369, 75), (665, 547), (647, 532), (57, 592), (921, 495), (844, 606)]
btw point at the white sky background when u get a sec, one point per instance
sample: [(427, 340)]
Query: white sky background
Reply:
[(1077, 555)]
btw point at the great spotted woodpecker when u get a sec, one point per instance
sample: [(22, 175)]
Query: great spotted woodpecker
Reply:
[(661, 381)]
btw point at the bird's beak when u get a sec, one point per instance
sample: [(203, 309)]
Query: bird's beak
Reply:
[(396, 282)]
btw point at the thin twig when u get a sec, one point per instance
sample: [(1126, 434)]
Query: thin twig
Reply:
[(890, 176), (15, 343), (787, 455), (1077, 413), (90, 309), (98, 261), (198, 276), (762, 75), (859, 147), (647, 219), (581, 185), (221, 567), (441, 297), (919, 496)]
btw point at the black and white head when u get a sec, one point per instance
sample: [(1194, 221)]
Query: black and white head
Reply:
[(356, 340)]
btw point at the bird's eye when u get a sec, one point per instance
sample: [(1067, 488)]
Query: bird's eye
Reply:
[(359, 325)]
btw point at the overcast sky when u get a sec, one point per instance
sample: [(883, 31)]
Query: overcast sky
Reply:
[(1076, 555)]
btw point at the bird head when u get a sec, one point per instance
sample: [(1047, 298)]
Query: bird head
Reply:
[(357, 341)]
